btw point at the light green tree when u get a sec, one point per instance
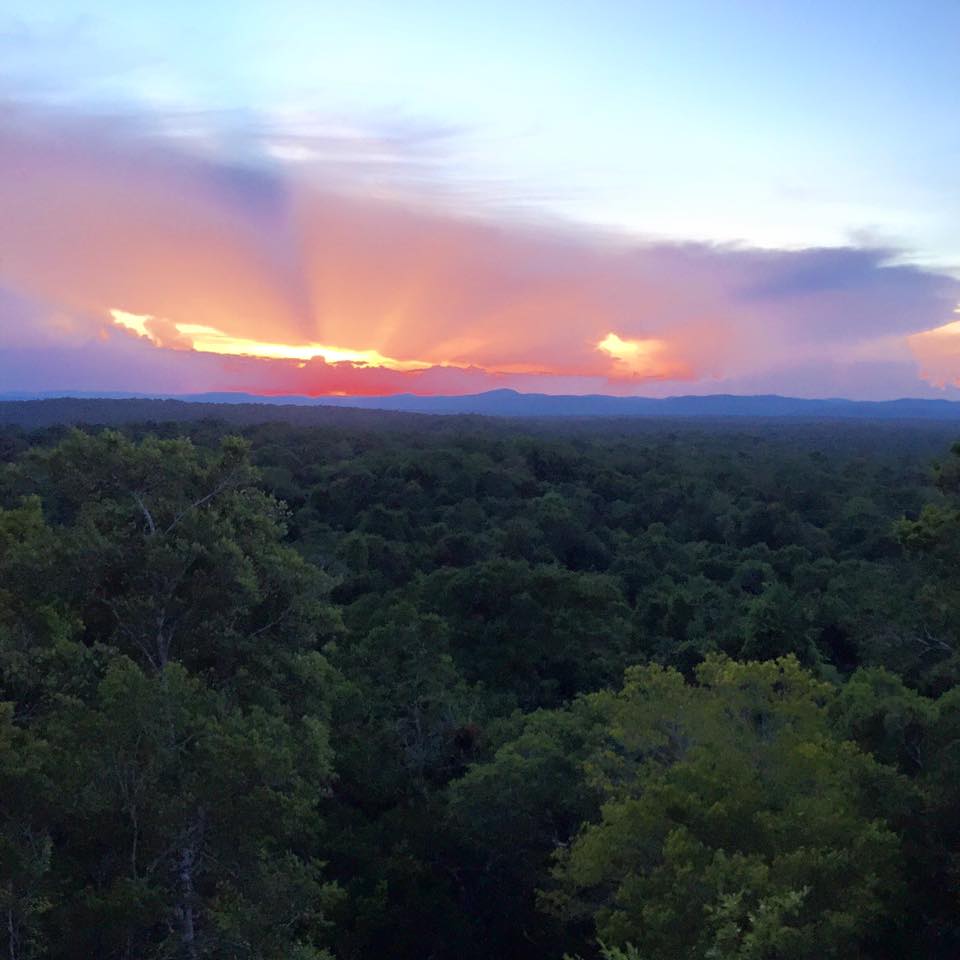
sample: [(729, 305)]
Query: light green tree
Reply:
[(736, 824)]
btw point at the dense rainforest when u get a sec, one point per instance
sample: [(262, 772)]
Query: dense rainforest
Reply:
[(455, 688)]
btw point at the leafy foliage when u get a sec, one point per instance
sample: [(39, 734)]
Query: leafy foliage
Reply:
[(735, 823), (380, 686)]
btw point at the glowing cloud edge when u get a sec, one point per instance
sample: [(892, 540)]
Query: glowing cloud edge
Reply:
[(633, 358)]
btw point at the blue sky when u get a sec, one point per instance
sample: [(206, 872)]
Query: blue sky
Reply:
[(776, 123)]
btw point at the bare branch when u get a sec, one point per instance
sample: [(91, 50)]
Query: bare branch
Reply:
[(227, 481), (151, 526)]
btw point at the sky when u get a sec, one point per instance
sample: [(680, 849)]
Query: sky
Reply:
[(705, 196)]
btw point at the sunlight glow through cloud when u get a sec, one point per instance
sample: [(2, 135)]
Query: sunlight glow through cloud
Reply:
[(205, 339), (128, 261), (638, 355), (641, 357), (938, 353)]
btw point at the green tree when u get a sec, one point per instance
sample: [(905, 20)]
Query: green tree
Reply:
[(25, 843), (508, 814), (735, 824), (162, 642), (776, 625), (934, 537)]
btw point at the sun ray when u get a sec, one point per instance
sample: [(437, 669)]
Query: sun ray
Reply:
[(206, 339)]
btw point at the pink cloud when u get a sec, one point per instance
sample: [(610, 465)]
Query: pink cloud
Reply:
[(99, 216)]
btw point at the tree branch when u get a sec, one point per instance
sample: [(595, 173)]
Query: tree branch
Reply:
[(151, 526)]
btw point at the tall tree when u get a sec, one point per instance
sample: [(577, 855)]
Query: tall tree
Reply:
[(191, 757)]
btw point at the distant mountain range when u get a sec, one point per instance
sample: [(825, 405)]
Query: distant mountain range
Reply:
[(510, 403)]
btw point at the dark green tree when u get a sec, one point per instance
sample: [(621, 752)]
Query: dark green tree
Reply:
[(163, 643)]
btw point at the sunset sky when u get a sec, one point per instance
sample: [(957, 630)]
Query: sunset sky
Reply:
[(700, 196)]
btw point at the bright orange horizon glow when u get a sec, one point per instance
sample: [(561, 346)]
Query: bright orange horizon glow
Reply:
[(631, 358), (206, 339)]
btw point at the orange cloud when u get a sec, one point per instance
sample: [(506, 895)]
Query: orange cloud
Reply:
[(245, 262), (193, 336), (276, 279), (938, 353), (643, 358)]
